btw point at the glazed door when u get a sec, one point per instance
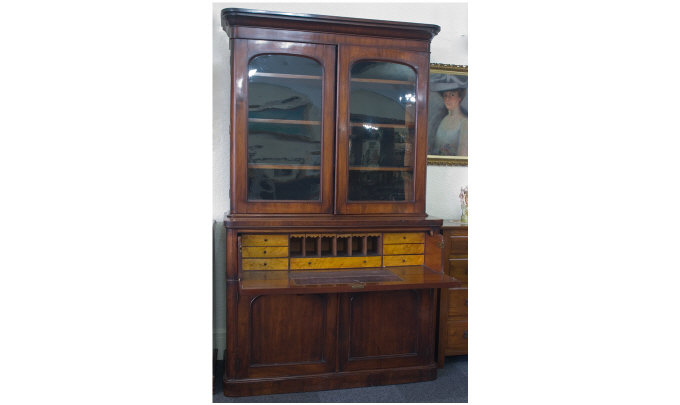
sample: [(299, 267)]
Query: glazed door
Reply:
[(382, 131), (282, 127)]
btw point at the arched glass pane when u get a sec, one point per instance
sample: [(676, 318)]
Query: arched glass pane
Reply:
[(382, 120), (284, 128)]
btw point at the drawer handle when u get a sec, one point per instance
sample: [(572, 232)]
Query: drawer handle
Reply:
[(465, 335), (264, 264), (264, 252), (404, 237), (358, 285), (265, 240), (403, 260), (309, 262)]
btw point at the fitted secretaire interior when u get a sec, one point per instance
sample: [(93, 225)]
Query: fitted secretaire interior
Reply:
[(334, 271)]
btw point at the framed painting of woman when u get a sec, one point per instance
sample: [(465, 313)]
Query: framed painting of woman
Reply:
[(447, 124)]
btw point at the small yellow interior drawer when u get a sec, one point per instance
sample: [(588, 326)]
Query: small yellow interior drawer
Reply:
[(403, 260), (264, 264), (264, 251), (264, 240), (300, 263), (394, 238), (404, 249)]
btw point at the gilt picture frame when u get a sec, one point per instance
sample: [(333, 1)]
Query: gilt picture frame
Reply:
[(447, 115)]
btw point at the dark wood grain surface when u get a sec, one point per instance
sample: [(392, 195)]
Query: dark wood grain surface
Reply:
[(309, 330), (283, 282), (302, 223), (328, 24), (454, 325)]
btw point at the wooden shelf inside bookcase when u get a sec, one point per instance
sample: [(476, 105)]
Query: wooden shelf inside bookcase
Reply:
[(285, 76), (381, 169), (382, 81), (278, 121), (372, 124), (283, 167)]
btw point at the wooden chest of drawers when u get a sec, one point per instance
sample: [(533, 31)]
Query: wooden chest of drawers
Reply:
[(456, 265)]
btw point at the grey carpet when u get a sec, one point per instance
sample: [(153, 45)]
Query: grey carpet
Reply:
[(450, 386)]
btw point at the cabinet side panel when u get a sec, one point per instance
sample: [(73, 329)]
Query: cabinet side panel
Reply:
[(434, 252)]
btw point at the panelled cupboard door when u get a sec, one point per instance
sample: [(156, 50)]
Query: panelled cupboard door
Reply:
[(286, 334), (282, 127), (381, 130), (386, 329)]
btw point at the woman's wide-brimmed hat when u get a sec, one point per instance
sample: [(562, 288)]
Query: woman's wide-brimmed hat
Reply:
[(449, 82)]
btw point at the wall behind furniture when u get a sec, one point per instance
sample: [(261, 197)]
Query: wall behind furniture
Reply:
[(449, 47)]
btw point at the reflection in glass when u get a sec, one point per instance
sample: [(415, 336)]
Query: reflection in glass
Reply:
[(382, 120), (272, 143), (384, 71), (286, 64), (380, 185), (284, 128), (283, 184)]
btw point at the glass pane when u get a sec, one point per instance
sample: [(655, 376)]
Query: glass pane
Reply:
[(284, 128), (382, 118), (380, 185), (284, 144), (289, 64), (283, 184)]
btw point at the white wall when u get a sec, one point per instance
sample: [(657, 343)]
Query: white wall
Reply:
[(449, 46)]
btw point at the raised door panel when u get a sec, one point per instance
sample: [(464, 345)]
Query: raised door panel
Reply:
[(382, 131), (386, 329), (283, 126), (287, 334)]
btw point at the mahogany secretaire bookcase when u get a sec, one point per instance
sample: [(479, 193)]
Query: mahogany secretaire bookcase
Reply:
[(334, 271)]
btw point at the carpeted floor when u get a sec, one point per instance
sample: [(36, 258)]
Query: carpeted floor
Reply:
[(450, 386)]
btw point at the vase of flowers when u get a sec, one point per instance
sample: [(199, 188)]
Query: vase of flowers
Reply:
[(463, 204)]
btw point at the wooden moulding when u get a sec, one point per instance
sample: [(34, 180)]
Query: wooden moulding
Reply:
[(318, 223), (328, 381), (234, 17)]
